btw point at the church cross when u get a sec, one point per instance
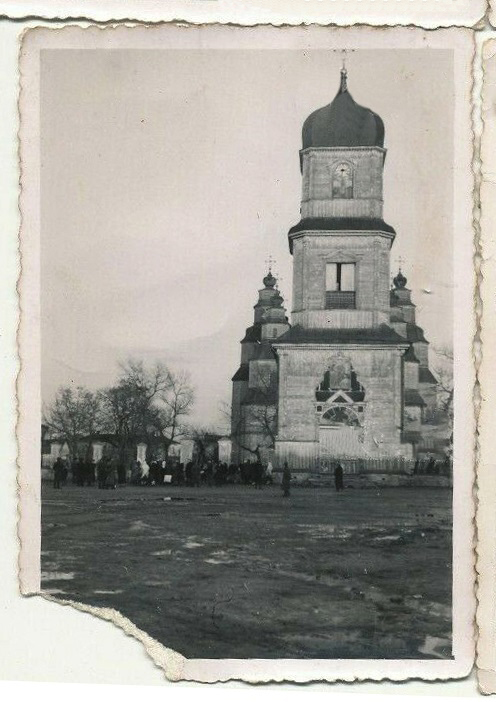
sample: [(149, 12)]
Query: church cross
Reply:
[(343, 59), (400, 261), (269, 262)]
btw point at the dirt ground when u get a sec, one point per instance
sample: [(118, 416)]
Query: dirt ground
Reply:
[(243, 573)]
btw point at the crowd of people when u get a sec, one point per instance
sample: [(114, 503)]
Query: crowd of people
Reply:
[(108, 473), (429, 465)]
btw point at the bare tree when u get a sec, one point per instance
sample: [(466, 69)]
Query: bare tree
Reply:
[(260, 416), (74, 415), (147, 403), (444, 373), (175, 403), (131, 404)]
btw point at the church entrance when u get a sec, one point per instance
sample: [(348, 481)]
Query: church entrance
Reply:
[(340, 403), (336, 443)]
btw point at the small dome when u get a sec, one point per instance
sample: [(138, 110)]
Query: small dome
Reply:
[(269, 281), (343, 123), (399, 280)]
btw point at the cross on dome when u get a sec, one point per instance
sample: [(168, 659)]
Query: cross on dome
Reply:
[(343, 88)]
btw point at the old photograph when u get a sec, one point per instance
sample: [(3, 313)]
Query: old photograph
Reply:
[(248, 304)]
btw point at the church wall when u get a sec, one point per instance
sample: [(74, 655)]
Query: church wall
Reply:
[(272, 330), (239, 390), (428, 393), (409, 314), (379, 371), (411, 371), (339, 319), (319, 165), (248, 350), (413, 418), (370, 253), (421, 349), (263, 374)]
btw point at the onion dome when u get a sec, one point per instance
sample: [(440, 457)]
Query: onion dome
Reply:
[(343, 123), (269, 281), (399, 281)]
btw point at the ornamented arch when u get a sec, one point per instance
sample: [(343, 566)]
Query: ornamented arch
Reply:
[(340, 397)]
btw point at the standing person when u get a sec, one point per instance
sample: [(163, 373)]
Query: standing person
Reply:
[(430, 470), (338, 477), (196, 474), (111, 475), (58, 472), (189, 473), (101, 471), (258, 474), (77, 471), (268, 474), (286, 480), (90, 474), (135, 472)]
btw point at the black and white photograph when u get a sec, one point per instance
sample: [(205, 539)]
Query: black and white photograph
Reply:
[(253, 421)]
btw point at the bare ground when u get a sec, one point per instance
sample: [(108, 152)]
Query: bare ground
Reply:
[(242, 573)]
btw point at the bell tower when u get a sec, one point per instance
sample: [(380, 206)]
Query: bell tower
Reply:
[(341, 245)]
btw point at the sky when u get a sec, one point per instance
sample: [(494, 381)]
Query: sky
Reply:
[(168, 177)]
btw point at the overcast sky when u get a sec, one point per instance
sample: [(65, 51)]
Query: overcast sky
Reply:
[(169, 176)]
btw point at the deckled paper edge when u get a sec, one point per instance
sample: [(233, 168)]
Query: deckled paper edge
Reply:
[(176, 666), (485, 210), (430, 14)]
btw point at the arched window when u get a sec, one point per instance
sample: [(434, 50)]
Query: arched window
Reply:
[(342, 181), (336, 416)]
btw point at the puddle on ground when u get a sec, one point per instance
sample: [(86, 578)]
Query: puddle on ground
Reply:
[(219, 558), (216, 561), (167, 552), (56, 575), (139, 525), (108, 592)]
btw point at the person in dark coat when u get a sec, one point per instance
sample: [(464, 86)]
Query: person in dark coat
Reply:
[(286, 480), (101, 471), (77, 472), (189, 473), (111, 475), (431, 466), (338, 477), (258, 474), (90, 473), (58, 473), (196, 474)]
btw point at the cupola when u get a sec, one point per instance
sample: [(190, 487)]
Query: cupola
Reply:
[(343, 123)]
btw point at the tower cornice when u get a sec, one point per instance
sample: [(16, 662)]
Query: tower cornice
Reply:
[(300, 233), (349, 149)]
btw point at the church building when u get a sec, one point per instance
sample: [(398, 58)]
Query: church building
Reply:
[(349, 378)]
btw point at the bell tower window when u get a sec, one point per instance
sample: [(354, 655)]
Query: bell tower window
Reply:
[(340, 286), (342, 182)]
